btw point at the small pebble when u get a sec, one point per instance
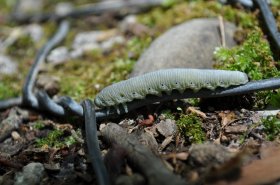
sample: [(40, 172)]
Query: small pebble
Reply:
[(63, 8), (15, 135), (49, 83), (29, 6), (58, 55), (32, 174), (7, 65), (35, 31), (167, 127)]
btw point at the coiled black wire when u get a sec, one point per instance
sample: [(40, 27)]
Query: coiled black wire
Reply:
[(93, 144)]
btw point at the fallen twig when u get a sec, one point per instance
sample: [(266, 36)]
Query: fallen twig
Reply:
[(139, 155)]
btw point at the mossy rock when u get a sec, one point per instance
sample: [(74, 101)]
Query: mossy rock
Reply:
[(188, 45)]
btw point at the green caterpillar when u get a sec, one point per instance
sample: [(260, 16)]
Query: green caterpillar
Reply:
[(166, 80)]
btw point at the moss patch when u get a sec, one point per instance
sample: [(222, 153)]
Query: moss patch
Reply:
[(253, 57), (9, 87), (56, 139), (271, 127), (190, 126)]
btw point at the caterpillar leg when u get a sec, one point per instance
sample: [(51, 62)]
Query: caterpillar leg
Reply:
[(125, 107), (118, 110), (108, 110)]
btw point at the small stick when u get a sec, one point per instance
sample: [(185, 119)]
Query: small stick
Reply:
[(222, 31), (141, 157)]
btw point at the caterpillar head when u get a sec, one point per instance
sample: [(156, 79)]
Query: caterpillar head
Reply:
[(98, 102)]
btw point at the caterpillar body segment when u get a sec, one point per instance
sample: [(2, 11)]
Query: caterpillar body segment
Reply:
[(166, 80)]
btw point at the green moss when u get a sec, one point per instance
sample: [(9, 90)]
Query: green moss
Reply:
[(6, 6), (253, 57), (274, 99), (193, 101), (9, 86), (168, 114), (170, 3), (190, 127), (271, 127), (275, 2), (39, 125), (56, 139), (24, 46), (121, 69), (136, 45)]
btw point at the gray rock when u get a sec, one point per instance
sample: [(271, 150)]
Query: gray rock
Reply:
[(58, 55), (93, 40), (63, 8), (209, 154), (7, 65), (32, 174), (29, 6), (49, 83), (9, 124), (167, 127), (188, 45), (108, 44), (35, 31)]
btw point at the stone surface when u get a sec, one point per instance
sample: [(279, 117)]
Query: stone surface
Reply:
[(63, 8), (12, 122), (7, 65), (31, 175), (49, 83), (208, 154), (167, 127), (30, 6), (188, 45), (58, 55), (91, 40), (35, 31)]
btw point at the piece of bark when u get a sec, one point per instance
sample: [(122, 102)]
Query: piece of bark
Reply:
[(139, 155), (264, 171)]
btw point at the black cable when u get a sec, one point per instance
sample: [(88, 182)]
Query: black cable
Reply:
[(96, 9), (270, 26), (4, 104), (28, 98), (47, 104), (70, 106), (93, 144)]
